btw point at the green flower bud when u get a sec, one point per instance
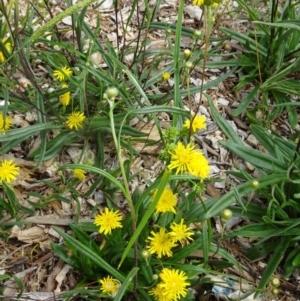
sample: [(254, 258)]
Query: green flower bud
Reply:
[(226, 215), (255, 184), (186, 53), (197, 34), (169, 31), (112, 93), (155, 277), (188, 65), (145, 254), (275, 282), (275, 291)]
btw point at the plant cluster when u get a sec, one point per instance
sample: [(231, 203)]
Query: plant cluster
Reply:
[(146, 249)]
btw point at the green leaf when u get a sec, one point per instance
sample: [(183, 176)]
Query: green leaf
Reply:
[(273, 263), (86, 251), (128, 281), (255, 157), (243, 189), (163, 183), (245, 102), (95, 170), (222, 123)]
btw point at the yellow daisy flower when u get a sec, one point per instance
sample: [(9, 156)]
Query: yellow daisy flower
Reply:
[(199, 166), (198, 2), (174, 283), (79, 173), (8, 48), (161, 243), (199, 123), (167, 201), (109, 285), (64, 99), (108, 220), (75, 120), (181, 158), (62, 74), (181, 233), (165, 76), (5, 123), (8, 171), (158, 293)]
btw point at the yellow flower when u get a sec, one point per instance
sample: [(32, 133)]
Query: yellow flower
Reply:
[(8, 171), (167, 201), (199, 123), (181, 233), (7, 45), (108, 220), (181, 158), (79, 174), (187, 159), (75, 120), (199, 166), (215, 5), (62, 73), (158, 293), (64, 99), (198, 2), (165, 76), (109, 285), (5, 123), (173, 283), (161, 243)]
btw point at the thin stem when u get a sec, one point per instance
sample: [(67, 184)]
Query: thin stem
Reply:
[(126, 186)]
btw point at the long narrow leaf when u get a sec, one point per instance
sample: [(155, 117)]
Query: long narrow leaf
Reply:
[(86, 251)]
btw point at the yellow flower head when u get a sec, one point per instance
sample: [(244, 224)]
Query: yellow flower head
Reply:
[(199, 166), (187, 159), (64, 99), (173, 283), (62, 74), (7, 45), (79, 174), (109, 285), (5, 123), (181, 233), (108, 220), (75, 120), (167, 201), (165, 76), (198, 2), (161, 243), (198, 123), (181, 158), (158, 293), (8, 171)]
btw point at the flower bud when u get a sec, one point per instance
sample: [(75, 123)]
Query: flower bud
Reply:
[(186, 53), (188, 65), (275, 282), (169, 31), (145, 254), (112, 93), (155, 277), (197, 34), (226, 215), (275, 291), (255, 184), (227, 46)]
